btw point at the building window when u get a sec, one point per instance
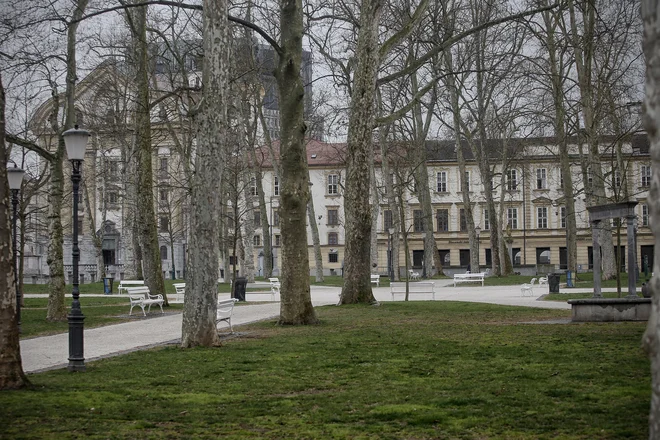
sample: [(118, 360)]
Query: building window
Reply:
[(333, 184), (333, 217), (112, 197), (465, 182), (442, 181), (512, 180), (562, 217), (543, 255), (616, 179), (486, 220), (646, 175), (164, 223), (542, 217), (462, 220), (541, 178), (276, 186), (276, 217), (418, 223), (387, 220), (512, 218), (442, 219), (163, 195), (163, 252), (81, 226), (257, 218), (278, 240), (113, 168), (333, 238), (256, 240), (333, 257), (163, 165), (645, 215), (253, 187)]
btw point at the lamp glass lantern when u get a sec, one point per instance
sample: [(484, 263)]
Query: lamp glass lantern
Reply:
[(75, 140), (15, 177)]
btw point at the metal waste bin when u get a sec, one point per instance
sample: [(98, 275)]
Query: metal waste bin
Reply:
[(239, 288), (107, 285), (553, 282)]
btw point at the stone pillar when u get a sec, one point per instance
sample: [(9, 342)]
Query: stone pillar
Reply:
[(595, 232), (632, 259)]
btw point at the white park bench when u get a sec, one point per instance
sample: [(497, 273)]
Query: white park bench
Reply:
[(527, 288), (375, 279), (140, 296), (274, 286), (225, 310), (180, 289), (126, 284), (413, 288), (469, 278), (413, 275)]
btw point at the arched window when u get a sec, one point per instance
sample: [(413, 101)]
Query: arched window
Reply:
[(163, 252)]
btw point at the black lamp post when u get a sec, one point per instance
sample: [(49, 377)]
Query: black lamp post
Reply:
[(76, 144), (15, 178), (477, 231), (389, 253)]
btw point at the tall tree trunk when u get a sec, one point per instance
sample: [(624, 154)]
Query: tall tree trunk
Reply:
[(357, 209), (296, 300), (421, 173), (318, 257), (11, 367), (147, 229), (56, 309), (456, 117), (583, 49), (651, 339), (200, 307)]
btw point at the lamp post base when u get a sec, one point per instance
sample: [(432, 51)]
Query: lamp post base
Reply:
[(76, 352)]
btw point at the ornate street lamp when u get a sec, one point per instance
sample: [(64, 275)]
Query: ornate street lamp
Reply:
[(477, 231), (15, 178), (389, 253), (76, 144)]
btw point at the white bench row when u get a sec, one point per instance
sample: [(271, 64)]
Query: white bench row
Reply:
[(140, 296), (375, 279), (126, 284), (469, 278), (413, 288)]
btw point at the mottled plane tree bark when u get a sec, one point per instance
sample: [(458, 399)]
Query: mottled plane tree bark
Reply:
[(651, 339), (296, 305), (200, 307), (11, 367)]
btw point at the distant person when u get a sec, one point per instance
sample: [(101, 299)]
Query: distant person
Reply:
[(468, 269)]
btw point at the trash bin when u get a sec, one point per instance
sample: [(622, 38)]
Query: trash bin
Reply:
[(107, 285), (239, 288), (553, 282)]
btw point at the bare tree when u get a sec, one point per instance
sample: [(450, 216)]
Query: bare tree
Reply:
[(11, 368)]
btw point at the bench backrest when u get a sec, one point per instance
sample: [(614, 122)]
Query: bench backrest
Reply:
[(131, 283), (273, 280), (138, 291), (179, 287), (417, 287), (225, 308)]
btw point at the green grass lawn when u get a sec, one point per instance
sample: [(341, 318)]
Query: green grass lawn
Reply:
[(415, 370)]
